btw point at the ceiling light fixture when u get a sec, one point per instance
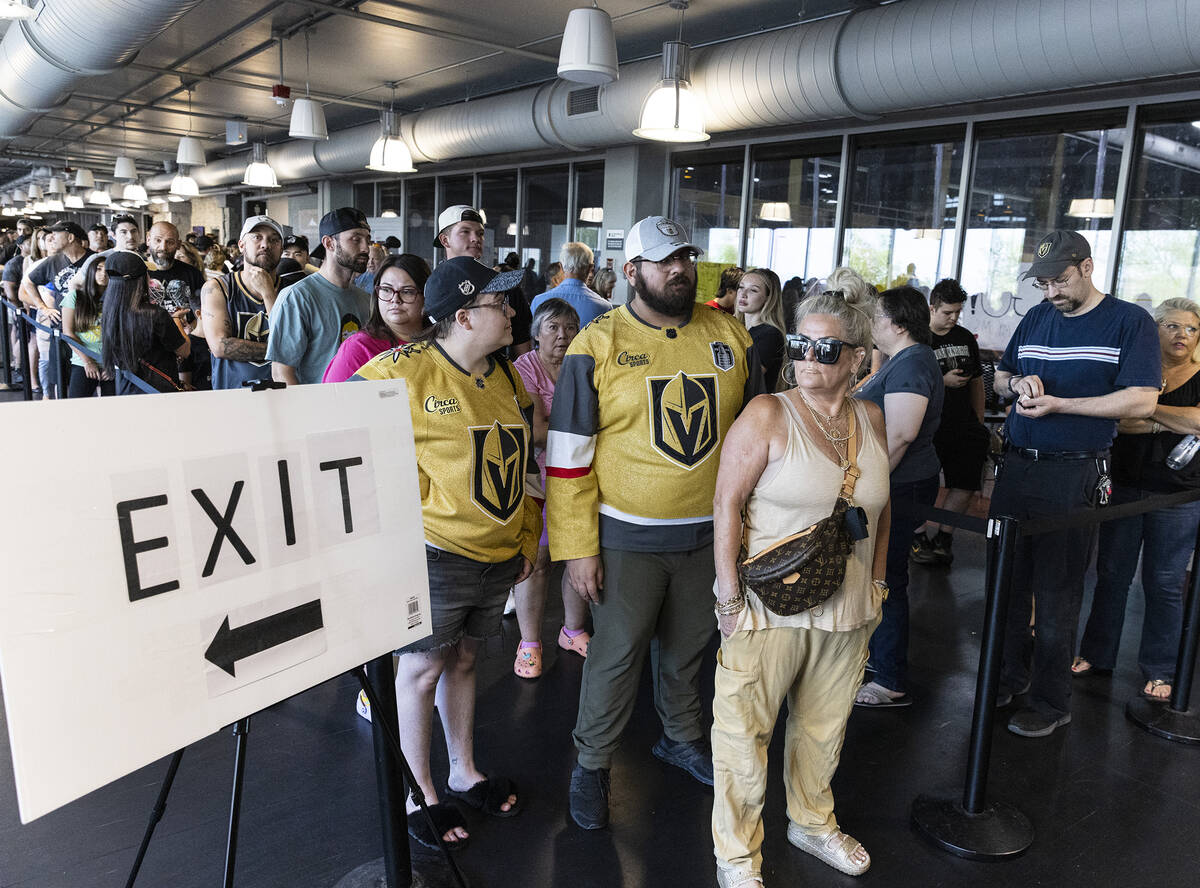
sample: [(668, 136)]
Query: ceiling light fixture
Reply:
[(16, 9), (259, 173), (84, 178), (308, 117), (673, 112), (1092, 208), (55, 186), (390, 154), (100, 197), (184, 186), (592, 215), (190, 152), (35, 191), (775, 211), (73, 202), (55, 205), (589, 49), (136, 192)]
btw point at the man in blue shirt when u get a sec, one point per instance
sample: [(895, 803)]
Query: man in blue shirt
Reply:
[(577, 262), (1077, 363)]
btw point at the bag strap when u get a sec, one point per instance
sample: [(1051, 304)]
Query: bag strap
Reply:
[(852, 472)]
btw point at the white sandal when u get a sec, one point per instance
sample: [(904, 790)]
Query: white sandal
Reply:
[(726, 879), (837, 849)]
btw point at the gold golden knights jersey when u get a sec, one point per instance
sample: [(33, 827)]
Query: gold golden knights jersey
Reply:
[(636, 429), (474, 453)]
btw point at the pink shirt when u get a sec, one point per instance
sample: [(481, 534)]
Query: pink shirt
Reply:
[(354, 352), (539, 384)]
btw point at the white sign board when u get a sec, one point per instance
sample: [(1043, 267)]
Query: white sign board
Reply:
[(185, 561)]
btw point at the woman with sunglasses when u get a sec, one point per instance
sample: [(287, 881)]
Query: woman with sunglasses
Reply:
[(783, 466), (397, 315), (909, 389), (1165, 537), (759, 306)]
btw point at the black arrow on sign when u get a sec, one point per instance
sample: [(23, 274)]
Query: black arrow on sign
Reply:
[(230, 645)]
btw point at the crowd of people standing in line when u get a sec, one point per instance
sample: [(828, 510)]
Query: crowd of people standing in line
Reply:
[(653, 449)]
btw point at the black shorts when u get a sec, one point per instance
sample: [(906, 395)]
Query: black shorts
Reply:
[(962, 451)]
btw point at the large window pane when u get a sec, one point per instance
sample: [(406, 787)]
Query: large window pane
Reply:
[(364, 197), (589, 202), (545, 208), (793, 206), (389, 197), (707, 199), (498, 201), (1160, 255), (421, 222), (1026, 185), (455, 190), (903, 205)]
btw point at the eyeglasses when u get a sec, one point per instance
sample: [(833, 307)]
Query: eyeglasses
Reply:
[(686, 257), (1175, 329), (826, 350), (1057, 283), (501, 304), (404, 294)]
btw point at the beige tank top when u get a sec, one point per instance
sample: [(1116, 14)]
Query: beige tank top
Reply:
[(799, 489)]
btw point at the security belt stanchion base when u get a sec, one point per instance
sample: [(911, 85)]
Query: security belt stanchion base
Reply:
[(1163, 721), (998, 832)]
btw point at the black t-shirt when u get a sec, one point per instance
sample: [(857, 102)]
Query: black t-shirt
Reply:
[(176, 287), (13, 269), (958, 350), (164, 341), (769, 342), (1140, 460), (56, 272)]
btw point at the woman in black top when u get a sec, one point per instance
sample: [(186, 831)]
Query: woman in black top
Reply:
[(1166, 536), (138, 336), (759, 306)]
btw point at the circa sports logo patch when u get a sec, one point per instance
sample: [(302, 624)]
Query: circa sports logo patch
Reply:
[(498, 469), (683, 417), (722, 355)]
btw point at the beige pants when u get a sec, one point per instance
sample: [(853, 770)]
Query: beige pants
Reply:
[(819, 672)]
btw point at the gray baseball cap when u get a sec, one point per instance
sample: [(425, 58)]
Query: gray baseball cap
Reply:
[(254, 221), (655, 238)]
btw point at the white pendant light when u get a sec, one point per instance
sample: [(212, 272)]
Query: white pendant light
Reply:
[(175, 198), (1082, 207), (259, 173), (673, 112), (390, 154), (124, 168), (41, 207), (190, 152), (100, 197), (19, 197), (183, 185), (55, 186), (135, 192), (779, 211), (592, 215), (16, 9), (84, 178), (308, 117), (73, 202), (589, 50), (388, 214), (35, 191), (55, 205)]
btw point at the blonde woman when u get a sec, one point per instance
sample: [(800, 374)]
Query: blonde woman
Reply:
[(759, 305)]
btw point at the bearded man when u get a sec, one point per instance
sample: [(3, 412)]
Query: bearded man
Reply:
[(643, 400), (316, 314)]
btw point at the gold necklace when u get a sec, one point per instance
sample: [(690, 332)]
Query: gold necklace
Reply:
[(834, 439)]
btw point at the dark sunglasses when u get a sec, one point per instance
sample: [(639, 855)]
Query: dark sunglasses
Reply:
[(827, 350)]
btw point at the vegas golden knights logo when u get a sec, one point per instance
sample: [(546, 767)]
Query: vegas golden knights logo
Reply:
[(498, 470), (683, 417)]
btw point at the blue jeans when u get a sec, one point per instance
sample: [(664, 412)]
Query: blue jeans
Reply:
[(889, 644), (1166, 538)]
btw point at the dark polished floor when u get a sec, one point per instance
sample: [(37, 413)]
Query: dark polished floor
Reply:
[(1111, 804)]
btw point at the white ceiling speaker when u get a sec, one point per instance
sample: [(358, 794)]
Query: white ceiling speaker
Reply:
[(589, 49), (190, 152), (308, 120), (124, 168)]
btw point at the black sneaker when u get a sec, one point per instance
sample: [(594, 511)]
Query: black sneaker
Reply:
[(940, 546), (589, 797), (1032, 723), (921, 550), (694, 757)]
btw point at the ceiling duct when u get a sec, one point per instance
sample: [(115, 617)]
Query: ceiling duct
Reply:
[(899, 57), (43, 59)]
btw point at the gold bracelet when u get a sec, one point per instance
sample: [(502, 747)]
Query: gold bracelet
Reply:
[(731, 607)]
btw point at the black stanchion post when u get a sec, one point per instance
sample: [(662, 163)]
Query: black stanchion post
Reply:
[(6, 343), (1174, 720), (241, 731), (23, 345), (972, 828), (389, 776), (55, 379)]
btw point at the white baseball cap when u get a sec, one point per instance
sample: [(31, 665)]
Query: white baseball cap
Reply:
[(655, 238), (254, 221), (452, 216)]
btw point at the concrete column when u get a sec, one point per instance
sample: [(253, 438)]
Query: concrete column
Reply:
[(635, 186)]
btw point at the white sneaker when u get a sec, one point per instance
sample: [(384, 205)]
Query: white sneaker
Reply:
[(510, 606), (363, 706)]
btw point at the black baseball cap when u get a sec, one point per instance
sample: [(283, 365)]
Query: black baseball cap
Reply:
[(455, 282), (124, 264), (124, 217), (71, 228), (99, 226), (296, 240), (1057, 252), (336, 221), (392, 242)]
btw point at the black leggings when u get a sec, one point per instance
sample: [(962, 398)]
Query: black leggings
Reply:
[(81, 386)]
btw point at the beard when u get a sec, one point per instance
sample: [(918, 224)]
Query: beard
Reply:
[(162, 258), (675, 299), (356, 263), (261, 260), (1067, 304)]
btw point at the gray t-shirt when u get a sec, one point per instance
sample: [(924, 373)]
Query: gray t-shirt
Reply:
[(915, 370), (310, 320)]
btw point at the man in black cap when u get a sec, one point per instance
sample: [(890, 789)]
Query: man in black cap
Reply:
[(314, 316), (1077, 363), (55, 273), (295, 246), (97, 237)]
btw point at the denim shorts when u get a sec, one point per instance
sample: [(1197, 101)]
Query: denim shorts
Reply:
[(466, 597)]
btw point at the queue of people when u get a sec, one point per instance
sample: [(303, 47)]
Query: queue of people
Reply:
[(777, 449)]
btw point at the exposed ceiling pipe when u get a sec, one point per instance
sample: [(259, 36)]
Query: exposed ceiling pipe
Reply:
[(42, 58), (895, 58)]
